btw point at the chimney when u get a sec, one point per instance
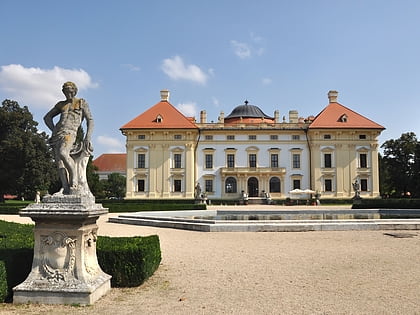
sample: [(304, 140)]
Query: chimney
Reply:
[(332, 96), (203, 117), (276, 116), (164, 96), (293, 116)]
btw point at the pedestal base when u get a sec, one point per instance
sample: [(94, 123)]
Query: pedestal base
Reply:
[(36, 292), (65, 267)]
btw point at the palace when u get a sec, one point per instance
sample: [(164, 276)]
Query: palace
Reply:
[(250, 152)]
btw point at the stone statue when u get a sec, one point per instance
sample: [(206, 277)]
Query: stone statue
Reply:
[(356, 188), (197, 194), (71, 156)]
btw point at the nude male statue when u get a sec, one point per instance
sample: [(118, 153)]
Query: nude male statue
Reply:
[(70, 156)]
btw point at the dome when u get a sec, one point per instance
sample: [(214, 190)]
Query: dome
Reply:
[(247, 111)]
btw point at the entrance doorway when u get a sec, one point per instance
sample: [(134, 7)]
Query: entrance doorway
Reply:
[(252, 187)]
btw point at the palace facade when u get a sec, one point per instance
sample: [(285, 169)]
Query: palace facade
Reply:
[(250, 152)]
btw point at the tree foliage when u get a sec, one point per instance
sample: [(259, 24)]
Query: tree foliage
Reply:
[(95, 185), (27, 163), (400, 166), (115, 185)]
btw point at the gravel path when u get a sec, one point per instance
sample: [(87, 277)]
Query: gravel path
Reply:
[(349, 272)]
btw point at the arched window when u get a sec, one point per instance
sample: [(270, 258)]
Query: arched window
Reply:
[(230, 185), (274, 185)]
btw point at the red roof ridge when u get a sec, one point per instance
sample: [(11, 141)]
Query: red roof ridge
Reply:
[(330, 117), (161, 115)]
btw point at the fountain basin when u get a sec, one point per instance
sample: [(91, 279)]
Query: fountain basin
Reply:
[(277, 220)]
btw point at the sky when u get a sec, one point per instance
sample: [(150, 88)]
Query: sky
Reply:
[(212, 56)]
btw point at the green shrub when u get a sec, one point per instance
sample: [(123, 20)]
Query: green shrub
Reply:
[(404, 203), (123, 206), (115, 206), (3, 282), (12, 207), (129, 260), (16, 253)]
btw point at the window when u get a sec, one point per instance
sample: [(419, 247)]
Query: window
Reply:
[(327, 160), (177, 160), (177, 137), (296, 184), (327, 184), (296, 160), (159, 118), (209, 160), (230, 137), (274, 185), (343, 118), (141, 137), (364, 184), (362, 137), (252, 160), (230, 185), (252, 137), (141, 160), (209, 137), (230, 160), (140, 185), (209, 185), (363, 160), (295, 137), (274, 160), (177, 185), (327, 137), (274, 137)]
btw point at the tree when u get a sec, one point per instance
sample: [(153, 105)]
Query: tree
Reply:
[(96, 186), (400, 165), (115, 185), (27, 163)]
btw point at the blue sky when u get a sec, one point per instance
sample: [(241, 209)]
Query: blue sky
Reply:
[(213, 55)]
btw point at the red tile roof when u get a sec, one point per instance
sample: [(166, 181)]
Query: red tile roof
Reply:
[(336, 115), (169, 116), (111, 162)]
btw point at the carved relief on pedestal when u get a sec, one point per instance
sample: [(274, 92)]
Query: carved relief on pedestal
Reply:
[(91, 264), (58, 257)]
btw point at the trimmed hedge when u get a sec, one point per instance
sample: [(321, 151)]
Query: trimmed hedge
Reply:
[(403, 203), (12, 207), (116, 206), (129, 260), (16, 253), (3, 284)]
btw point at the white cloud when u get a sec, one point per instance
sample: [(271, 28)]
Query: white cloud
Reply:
[(111, 145), (215, 101), (131, 67), (38, 87), (246, 50), (255, 38), (188, 109), (176, 69), (266, 81), (241, 50)]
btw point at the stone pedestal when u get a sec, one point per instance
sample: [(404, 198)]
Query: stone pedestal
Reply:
[(65, 267)]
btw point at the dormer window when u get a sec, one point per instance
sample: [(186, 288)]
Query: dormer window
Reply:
[(343, 118), (159, 118)]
